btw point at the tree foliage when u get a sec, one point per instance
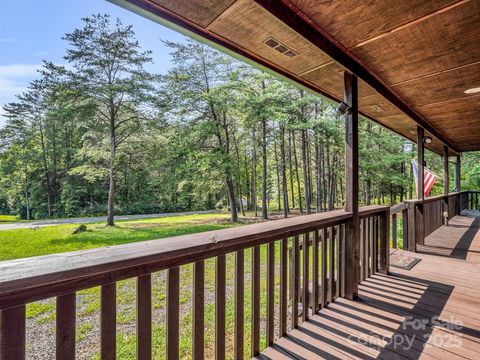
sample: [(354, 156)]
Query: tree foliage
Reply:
[(102, 135)]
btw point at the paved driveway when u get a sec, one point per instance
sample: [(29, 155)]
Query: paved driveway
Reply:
[(42, 223)]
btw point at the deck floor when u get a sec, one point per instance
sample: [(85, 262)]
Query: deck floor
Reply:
[(429, 312)]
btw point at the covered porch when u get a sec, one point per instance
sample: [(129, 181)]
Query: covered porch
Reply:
[(428, 312), (329, 290)]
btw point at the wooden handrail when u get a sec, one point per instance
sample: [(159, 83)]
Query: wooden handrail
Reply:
[(31, 279), (422, 217), (62, 275)]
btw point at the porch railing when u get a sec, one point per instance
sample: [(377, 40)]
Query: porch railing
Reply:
[(312, 277), (421, 218)]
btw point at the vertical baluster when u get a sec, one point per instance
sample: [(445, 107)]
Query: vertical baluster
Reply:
[(331, 270), (296, 271), (305, 277), (173, 289), (65, 327), (375, 244), (283, 286), (255, 301), (220, 308), (405, 229), (337, 261), (394, 231), (370, 246), (315, 272), (324, 267), (384, 242), (198, 309), (12, 333), (365, 248), (270, 293), (108, 327), (144, 317), (360, 268), (342, 260), (239, 304)]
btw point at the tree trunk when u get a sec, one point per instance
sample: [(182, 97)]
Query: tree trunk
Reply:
[(277, 171), (309, 167), (290, 169), (324, 175), (254, 173), (247, 180), (111, 188), (264, 169), (299, 189), (284, 171), (231, 198), (239, 179), (318, 183)]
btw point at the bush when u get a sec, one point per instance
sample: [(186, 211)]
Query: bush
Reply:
[(79, 229)]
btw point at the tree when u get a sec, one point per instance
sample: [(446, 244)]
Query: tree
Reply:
[(108, 71)]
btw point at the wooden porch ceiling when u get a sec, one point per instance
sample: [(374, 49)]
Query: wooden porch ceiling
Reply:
[(414, 60)]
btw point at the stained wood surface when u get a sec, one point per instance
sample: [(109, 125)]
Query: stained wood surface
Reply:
[(198, 308), (200, 12), (29, 279), (65, 326), (441, 292), (173, 316), (417, 57), (108, 321), (220, 279), (12, 333), (239, 335), (144, 317)]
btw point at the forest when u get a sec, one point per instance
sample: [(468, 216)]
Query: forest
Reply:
[(99, 134)]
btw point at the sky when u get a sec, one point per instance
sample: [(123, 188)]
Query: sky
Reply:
[(32, 30)]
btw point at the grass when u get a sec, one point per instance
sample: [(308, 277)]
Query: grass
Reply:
[(60, 238), (5, 219), (22, 243)]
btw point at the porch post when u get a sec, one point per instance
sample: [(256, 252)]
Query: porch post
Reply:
[(457, 174), (446, 184), (421, 163), (419, 219), (352, 229)]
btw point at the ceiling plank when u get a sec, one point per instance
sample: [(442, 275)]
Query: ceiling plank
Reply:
[(295, 19)]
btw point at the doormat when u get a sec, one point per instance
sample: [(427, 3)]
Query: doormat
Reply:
[(403, 261)]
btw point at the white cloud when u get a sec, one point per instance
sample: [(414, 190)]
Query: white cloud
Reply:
[(18, 70), (14, 79)]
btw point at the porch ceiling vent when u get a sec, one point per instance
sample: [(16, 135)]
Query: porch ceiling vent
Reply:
[(281, 48)]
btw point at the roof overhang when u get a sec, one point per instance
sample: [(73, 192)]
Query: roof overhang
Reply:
[(414, 62)]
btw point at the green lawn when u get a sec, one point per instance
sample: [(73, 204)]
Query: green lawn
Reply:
[(22, 243), (59, 238), (8, 219)]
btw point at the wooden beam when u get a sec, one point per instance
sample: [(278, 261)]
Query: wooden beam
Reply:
[(292, 16), (421, 163), (446, 185), (165, 17), (457, 174), (352, 231), (418, 208)]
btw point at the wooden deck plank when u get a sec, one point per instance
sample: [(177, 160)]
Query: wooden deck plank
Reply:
[(435, 307)]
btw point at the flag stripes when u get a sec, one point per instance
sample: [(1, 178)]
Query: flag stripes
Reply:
[(429, 178)]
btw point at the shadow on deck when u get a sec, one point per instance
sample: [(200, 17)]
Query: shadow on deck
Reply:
[(429, 312), (457, 240)]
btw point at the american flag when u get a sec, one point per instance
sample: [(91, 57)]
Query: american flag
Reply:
[(429, 178)]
